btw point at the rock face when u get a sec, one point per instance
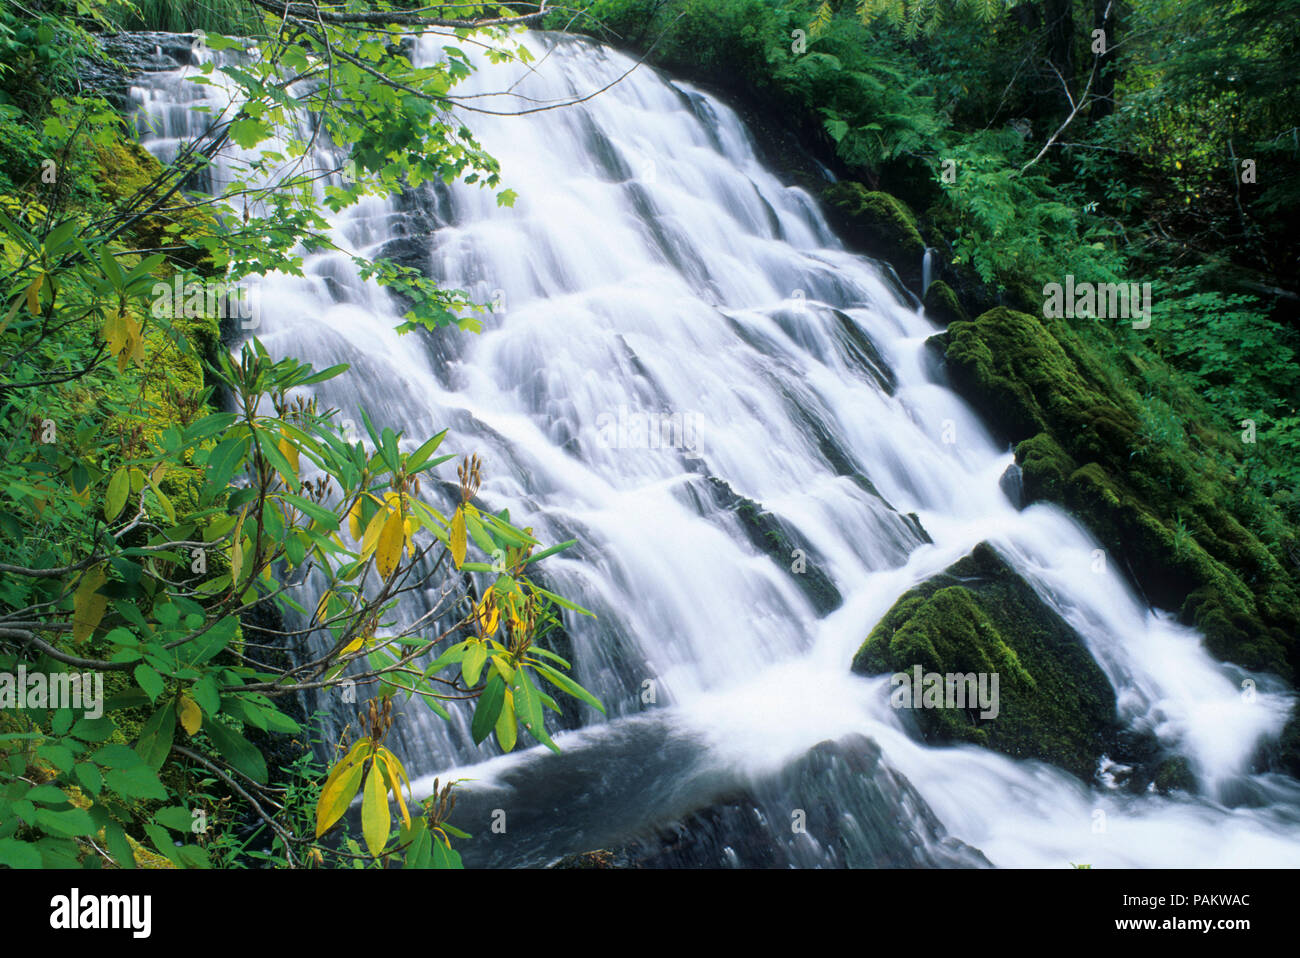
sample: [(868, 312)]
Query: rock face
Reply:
[(127, 54), (879, 225), (978, 615), (856, 813), (1172, 518)]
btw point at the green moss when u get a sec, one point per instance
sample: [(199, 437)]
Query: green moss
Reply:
[(878, 223), (941, 304), (1175, 773), (1055, 704), (172, 382), (125, 168), (1132, 472)]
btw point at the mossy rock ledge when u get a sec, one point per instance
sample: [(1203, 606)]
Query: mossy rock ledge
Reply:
[(1054, 702), (879, 225), (1172, 520)]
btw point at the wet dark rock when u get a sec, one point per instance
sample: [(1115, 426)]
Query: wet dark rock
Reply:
[(864, 352), (837, 807), (126, 55), (778, 539), (1012, 484)]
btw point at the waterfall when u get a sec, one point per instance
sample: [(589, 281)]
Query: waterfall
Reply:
[(651, 272)]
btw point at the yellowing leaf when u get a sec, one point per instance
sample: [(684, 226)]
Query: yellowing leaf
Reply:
[(389, 551), (124, 337), (34, 295), (237, 549), (458, 537), (136, 346), (487, 614), (506, 727), (370, 541), (354, 519), (471, 666), (113, 332), (340, 786), (153, 479), (9, 317), (188, 712), (87, 604), (393, 766), (376, 819), (290, 452), (118, 487)]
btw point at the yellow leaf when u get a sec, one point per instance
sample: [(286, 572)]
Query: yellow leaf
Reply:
[(135, 347), (237, 549), (389, 551), (87, 604), (488, 614), (376, 819), (395, 782), (370, 540), (458, 535), (114, 332), (354, 519), (124, 337), (9, 318), (34, 295), (290, 452), (339, 788), (189, 714)]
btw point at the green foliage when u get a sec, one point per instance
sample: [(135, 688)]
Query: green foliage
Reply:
[(214, 16), (143, 528), (1014, 227), (914, 17)]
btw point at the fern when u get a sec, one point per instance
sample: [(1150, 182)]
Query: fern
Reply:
[(821, 20)]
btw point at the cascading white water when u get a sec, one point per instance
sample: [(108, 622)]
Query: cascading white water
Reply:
[(650, 267)]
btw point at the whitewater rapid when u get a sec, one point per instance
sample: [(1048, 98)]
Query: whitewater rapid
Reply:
[(652, 266)]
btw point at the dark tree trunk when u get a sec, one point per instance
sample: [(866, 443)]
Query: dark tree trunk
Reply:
[(1058, 24), (1105, 17)]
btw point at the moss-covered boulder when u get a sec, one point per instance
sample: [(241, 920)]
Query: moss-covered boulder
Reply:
[(879, 225), (978, 615), (942, 305), (1166, 509)]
